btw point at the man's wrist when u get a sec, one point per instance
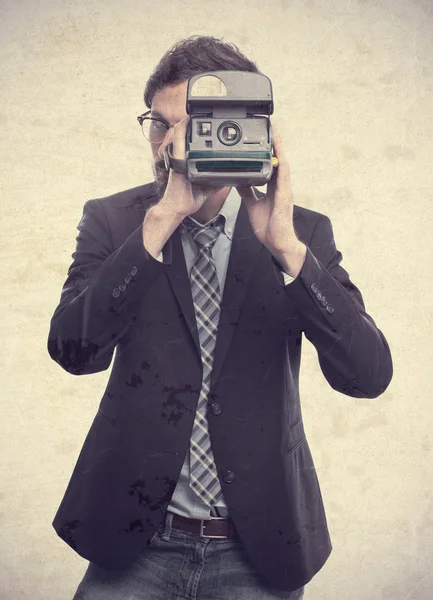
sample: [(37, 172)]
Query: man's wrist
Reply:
[(291, 260), (158, 226), (160, 213)]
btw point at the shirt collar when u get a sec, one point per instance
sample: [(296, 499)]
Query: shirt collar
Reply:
[(229, 210)]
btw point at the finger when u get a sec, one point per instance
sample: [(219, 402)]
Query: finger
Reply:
[(282, 180), (247, 193), (179, 138), (277, 143), (272, 183)]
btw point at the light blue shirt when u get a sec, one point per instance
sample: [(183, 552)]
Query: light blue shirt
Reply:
[(184, 501)]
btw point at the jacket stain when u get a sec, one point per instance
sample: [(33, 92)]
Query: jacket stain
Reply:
[(135, 380), (73, 354), (167, 486), (297, 540), (134, 526), (136, 485), (174, 408), (238, 277), (66, 532), (145, 365)]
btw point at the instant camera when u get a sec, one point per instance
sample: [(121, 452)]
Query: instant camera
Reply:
[(229, 138)]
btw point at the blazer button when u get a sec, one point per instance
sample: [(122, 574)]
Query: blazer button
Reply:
[(324, 301), (134, 271), (128, 278), (215, 408), (122, 286), (330, 308), (229, 477), (319, 296), (314, 287), (116, 292)]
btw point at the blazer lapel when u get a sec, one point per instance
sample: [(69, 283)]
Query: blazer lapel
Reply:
[(244, 253), (178, 276), (242, 261)]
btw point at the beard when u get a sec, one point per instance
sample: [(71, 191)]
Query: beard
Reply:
[(161, 177)]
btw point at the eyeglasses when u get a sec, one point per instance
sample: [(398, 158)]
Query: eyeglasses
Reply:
[(153, 129)]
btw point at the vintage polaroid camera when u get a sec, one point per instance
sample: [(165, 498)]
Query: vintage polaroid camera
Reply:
[(229, 137)]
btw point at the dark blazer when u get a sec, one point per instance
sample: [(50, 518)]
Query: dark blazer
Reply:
[(117, 297)]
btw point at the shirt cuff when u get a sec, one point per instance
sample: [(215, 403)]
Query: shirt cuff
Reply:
[(284, 279)]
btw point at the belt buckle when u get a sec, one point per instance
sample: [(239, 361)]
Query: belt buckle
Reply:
[(223, 537)]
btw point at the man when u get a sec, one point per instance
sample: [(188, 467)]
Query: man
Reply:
[(196, 479)]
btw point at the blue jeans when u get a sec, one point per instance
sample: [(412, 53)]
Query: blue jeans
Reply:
[(179, 565)]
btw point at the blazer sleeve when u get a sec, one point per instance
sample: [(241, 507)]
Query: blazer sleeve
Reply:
[(353, 353), (101, 295)]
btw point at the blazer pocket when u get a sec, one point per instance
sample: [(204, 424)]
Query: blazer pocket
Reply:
[(154, 539), (101, 413), (297, 436)]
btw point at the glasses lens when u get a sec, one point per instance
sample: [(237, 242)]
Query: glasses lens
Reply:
[(154, 131)]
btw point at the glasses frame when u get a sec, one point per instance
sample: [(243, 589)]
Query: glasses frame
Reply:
[(145, 117)]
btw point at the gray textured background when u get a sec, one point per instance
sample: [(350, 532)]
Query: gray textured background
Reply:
[(353, 88)]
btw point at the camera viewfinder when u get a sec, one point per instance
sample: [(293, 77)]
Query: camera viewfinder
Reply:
[(204, 128)]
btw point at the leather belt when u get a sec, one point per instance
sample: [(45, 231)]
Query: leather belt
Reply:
[(216, 527)]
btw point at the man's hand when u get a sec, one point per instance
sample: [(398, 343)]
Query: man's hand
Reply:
[(181, 197), (272, 217)]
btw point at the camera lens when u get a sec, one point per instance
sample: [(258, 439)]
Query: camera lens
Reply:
[(229, 133)]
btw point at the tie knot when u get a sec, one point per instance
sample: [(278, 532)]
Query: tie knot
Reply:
[(205, 236)]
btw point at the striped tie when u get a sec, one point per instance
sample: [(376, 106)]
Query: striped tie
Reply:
[(206, 298)]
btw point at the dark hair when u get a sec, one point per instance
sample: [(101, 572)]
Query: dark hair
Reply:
[(194, 55)]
